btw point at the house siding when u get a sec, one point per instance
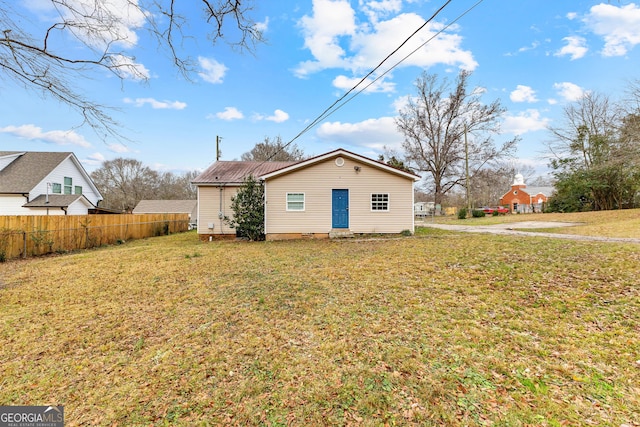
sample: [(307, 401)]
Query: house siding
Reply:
[(12, 205), (318, 181), (66, 169), (209, 209)]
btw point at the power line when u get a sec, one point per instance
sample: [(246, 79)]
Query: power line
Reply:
[(403, 59), (330, 110)]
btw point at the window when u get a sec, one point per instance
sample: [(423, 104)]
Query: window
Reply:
[(56, 188), (77, 189), (68, 185), (295, 201), (380, 202)]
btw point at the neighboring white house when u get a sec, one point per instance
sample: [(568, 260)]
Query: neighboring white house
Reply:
[(422, 209), (336, 193), (45, 183)]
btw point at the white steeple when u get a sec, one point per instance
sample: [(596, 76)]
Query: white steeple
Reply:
[(519, 180)]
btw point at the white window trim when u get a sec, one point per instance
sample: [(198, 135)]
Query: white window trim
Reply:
[(304, 201), (380, 210)]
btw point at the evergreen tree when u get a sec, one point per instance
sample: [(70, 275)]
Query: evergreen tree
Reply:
[(248, 210)]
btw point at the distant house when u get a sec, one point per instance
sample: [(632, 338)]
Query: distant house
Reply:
[(334, 194), (169, 206), (45, 183), (523, 199), (422, 209)]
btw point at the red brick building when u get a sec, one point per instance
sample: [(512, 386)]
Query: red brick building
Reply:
[(521, 199)]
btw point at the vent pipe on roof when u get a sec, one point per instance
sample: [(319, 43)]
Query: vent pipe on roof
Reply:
[(47, 196)]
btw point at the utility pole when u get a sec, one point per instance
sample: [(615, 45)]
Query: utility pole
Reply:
[(218, 147), (466, 160)]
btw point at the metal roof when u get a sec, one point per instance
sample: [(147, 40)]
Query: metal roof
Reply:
[(235, 172)]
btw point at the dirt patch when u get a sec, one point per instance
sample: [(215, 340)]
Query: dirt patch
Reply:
[(534, 224)]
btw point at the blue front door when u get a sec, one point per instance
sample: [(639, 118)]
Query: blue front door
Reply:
[(340, 208)]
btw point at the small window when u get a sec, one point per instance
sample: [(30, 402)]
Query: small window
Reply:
[(295, 201), (56, 188), (380, 202), (68, 185), (77, 189)]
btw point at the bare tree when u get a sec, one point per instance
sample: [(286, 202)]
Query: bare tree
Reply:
[(595, 154), (435, 124), (274, 150), (40, 59), (124, 182)]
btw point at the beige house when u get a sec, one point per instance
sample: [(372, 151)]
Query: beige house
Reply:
[(334, 194)]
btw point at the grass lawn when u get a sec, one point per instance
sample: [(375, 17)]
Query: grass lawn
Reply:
[(438, 329), (620, 223)]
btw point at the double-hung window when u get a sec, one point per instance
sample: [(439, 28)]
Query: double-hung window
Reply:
[(295, 201), (56, 188), (380, 202), (68, 185)]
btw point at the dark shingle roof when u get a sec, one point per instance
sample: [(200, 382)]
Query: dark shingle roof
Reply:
[(54, 201), (24, 173), (234, 172)]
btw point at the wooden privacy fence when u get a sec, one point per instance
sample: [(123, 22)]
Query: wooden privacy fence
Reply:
[(22, 236)]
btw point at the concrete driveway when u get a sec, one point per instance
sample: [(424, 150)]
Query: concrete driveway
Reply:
[(515, 228)]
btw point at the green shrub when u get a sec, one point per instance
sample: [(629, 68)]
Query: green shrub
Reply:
[(495, 213), (477, 213), (248, 210), (462, 213)]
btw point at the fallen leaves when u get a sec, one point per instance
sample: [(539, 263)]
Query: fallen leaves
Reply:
[(443, 330)]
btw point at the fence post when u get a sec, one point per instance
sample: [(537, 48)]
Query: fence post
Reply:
[(24, 244)]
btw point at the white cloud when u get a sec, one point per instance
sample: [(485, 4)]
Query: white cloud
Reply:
[(336, 40), (94, 159), (230, 113), (378, 9), (346, 83), (127, 68), (372, 133), (526, 121), (533, 46), (212, 70), (523, 94), (569, 91), (57, 137), (575, 47), (118, 148), (101, 24), (263, 26), (278, 116), (330, 21), (155, 104), (619, 26)]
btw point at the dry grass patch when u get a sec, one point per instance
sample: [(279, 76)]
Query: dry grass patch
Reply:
[(620, 223), (440, 329)]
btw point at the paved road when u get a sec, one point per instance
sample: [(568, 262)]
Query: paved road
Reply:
[(510, 228)]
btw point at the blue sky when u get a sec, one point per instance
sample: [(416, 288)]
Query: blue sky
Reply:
[(535, 56)]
